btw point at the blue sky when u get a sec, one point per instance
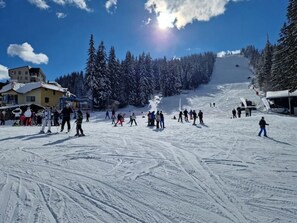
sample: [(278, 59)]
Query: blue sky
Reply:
[(54, 34)]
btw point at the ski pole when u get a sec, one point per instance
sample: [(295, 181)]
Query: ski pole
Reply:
[(72, 127)]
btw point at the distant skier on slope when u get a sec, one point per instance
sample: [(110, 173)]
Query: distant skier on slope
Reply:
[(234, 113), (194, 117), (200, 115), (263, 124)]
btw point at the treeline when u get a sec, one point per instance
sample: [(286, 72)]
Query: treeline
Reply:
[(276, 65), (134, 79)]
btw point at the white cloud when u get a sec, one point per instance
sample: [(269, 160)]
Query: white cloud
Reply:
[(39, 3), (42, 4), (81, 4), (109, 4), (26, 53), (61, 15), (2, 4), (228, 52), (179, 13), (148, 21), (3, 72)]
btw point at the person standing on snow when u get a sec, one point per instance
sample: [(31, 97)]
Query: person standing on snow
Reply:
[(234, 113), (107, 114), (27, 115), (79, 119), (87, 116), (46, 120), (263, 124), (157, 119), (133, 119), (200, 115), (66, 112), (238, 112), (194, 117), (162, 123), (180, 116)]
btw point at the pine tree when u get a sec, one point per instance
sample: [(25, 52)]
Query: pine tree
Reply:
[(264, 71), (91, 81), (130, 76), (279, 69), (103, 89), (114, 74), (292, 44)]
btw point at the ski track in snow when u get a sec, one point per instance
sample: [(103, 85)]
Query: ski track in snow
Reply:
[(217, 172)]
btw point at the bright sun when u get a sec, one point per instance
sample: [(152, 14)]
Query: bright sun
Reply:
[(165, 20)]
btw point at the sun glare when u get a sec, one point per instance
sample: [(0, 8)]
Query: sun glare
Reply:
[(165, 20)]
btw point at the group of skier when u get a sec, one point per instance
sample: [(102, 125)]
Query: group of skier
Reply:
[(236, 113), (66, 116), (156, 119), (193, 116)]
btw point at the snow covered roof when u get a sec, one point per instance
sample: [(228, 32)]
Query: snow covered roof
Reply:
[(280, 94), (24, 88), (11, 86)]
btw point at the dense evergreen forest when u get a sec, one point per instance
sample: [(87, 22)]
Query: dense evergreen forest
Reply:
[(136, 78), (276, 66)]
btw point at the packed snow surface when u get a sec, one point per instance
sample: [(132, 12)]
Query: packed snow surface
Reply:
[(218, 172)]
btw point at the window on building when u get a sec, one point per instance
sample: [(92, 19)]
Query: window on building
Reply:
[(46, 100), (54, 92), (26, 72), (20, 72), (30, 98), (26, 78)]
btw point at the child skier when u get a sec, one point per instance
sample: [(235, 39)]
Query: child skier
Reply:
[(46, 120), (79, 119)]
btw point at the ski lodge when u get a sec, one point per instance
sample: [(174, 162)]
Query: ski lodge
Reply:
[(282, 101)]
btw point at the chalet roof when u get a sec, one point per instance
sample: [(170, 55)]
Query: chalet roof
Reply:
[(24, 88), (280, 94)]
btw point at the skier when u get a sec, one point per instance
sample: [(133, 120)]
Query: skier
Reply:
[(234, 113), (46, 120), (107, 114), (78, 121), (191, 114), (17, 114), (162, 124), (194, 117), (200, 115), (133, 119), (56, 118), (262, 124), (119, 120), (238, 112), (66, 117), (27, 115), (180, 116), (87, 116), (157, 119), (186, 115)]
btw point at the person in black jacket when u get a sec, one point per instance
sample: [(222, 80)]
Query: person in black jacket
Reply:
[(194, 117), (262, 124), (66, 112)]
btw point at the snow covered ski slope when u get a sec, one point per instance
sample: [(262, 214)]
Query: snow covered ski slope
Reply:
[(218, 172)]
